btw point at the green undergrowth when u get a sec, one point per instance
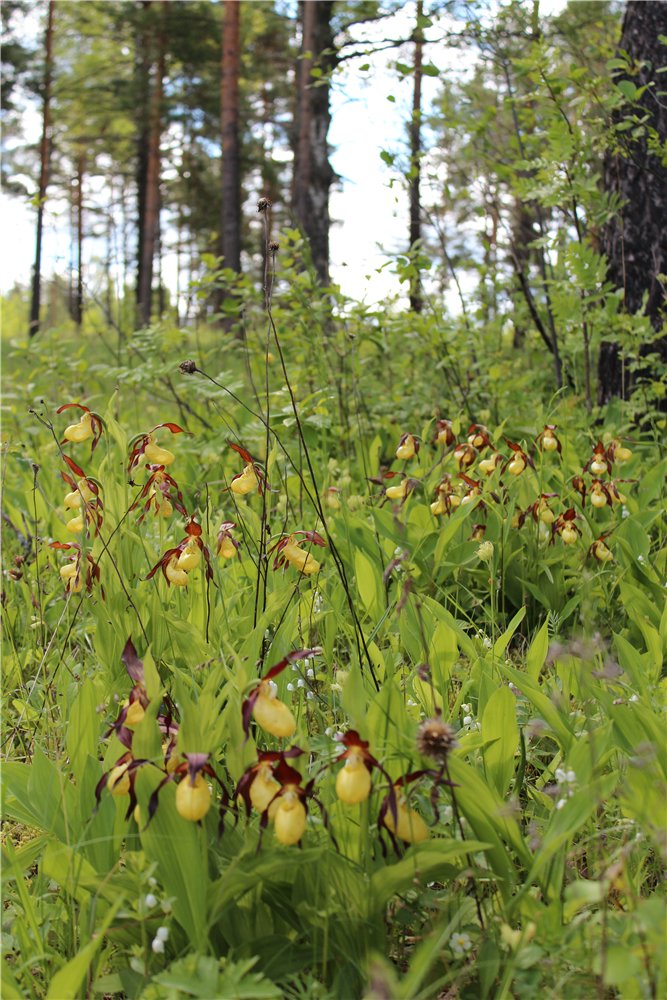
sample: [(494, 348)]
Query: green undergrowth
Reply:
[(519, 606)]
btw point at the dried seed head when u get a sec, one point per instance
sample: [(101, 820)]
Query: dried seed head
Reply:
[(274, 246), (188, 367), (263, 204), (436, 739)]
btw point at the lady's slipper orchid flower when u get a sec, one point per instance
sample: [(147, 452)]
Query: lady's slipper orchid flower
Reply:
[(73, 570), (397, 818), (228, 547), (599, 463), (489, 465), (258, 787), (541, 511), (89, 426), (465, 456), (262, 704), (444, 433), (245, 482), (84, 498), (473, 493), (617, 453), (446, 497), (402, 491), (193, 795), (174, 573), (289, 806), (519, 460), (408, 447), (145, 446), (288, 550), (353, 781), (252, 478), (599, 494), (162, 493), (120, 780), (564, 526), (548, 440), (599, 550), (478, 436)]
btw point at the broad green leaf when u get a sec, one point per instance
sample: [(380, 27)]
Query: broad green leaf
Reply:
[(499, 725)]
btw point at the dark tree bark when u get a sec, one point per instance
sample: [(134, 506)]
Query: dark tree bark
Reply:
[(78, 295), (635, 240), (313, 174), (230, 229), (45, 160), (152, 185), (415, 159), (143, 75)]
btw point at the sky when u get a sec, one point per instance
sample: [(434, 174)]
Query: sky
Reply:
[(369, 204)]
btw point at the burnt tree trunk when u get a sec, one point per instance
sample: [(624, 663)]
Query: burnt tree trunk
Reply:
[(313, 173), (635, 240), (45, 160), (415, 161), (230, 229)]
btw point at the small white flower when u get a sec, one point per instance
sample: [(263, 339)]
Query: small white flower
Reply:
[(466, 708), (310, 674), (560, 803), (162, 933), (487, 642), (467, 719), (625, 512), (152, 882), (570, 777), (290, 686), (295, 667), (640, 559), (329, 731), (310, 696), (150, 900), (411, 703), (560, 775), (273, 687), (633, 698), (306, 663), (157, 944), (301, 683), (460, 944)]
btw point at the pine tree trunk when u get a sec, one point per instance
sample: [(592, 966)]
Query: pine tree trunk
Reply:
[(313, 174), (230, 230), (45, 158), (143, 72), (635, 240), (415, 160), (78, 298), (152, 188)]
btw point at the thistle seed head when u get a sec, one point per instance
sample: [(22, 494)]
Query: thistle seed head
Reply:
[(436, 739)]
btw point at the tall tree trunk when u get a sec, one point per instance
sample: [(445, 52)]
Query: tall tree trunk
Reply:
[(45, 157), (143, 81), (635, 240), (230, 229), (415, 161), (313, 174), (78, 298), (152, 187)]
